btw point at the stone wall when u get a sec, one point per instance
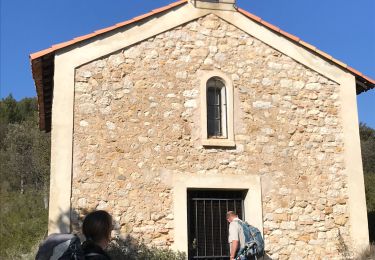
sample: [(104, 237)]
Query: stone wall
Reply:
[(137, 121)]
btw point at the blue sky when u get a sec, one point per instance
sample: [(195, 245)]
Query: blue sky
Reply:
[(343, 28)]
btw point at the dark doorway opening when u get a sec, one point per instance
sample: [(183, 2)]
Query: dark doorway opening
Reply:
[(207, 224)]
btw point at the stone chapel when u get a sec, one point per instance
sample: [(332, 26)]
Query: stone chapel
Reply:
[(176, 116)]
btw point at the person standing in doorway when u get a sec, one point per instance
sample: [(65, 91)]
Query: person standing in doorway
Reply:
[(236, 236)]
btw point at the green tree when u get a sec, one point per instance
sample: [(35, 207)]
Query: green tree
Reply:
[(12, 112), (9, 110), (25, 156), (24, 151), (24, 177), (367, 135), (8, 107)]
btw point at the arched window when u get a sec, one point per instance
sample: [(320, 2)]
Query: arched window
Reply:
[(216, 108)]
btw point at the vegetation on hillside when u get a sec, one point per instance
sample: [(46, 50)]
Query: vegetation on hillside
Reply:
[(368, 159), (24, 180), (367, 135), (24, 175)]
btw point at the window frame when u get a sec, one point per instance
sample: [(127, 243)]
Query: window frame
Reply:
[(221, 106), (227, 140)]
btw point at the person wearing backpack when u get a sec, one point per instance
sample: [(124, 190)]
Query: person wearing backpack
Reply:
[(236, 236), (246, 241), (97, 227)]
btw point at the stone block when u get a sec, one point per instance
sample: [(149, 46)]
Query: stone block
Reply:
[(262, 104)]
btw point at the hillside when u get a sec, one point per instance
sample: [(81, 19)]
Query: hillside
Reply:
[(24, 175)]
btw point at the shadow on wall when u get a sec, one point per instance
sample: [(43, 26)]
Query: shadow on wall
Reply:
[(127, 248), (130, 249), (63, 222)]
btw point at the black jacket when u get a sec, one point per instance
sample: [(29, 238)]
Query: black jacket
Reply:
[(94, 252)]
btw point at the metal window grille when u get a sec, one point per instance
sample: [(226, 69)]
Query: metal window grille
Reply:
[(215, 107), (208, 227)]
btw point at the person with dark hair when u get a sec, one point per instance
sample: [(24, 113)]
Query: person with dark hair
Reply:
[(97, 228)]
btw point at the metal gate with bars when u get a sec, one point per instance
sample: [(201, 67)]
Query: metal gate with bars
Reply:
[(208, 227)]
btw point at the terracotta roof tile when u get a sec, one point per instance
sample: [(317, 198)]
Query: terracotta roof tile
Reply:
[(270, 26), (250, 15), (324, 54), (161, 9), (82, 38), (372, 81), (306, 45), (63, 44), (140, 17), (290, 36), (104, 30), (355, 71), (177, 3), (41, 53), (124, 23), (342, 64)]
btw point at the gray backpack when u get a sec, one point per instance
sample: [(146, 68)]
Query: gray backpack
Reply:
[(60, 247)]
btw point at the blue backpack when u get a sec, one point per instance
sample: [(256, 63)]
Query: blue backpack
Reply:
[(254, 243)]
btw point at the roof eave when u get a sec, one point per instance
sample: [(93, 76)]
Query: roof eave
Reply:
[(364, 84), (43, 70)]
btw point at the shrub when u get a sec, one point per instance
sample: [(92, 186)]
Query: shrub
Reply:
[(370, 191), (23, 222), (368, 253), (370, 201), (129, 249)]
